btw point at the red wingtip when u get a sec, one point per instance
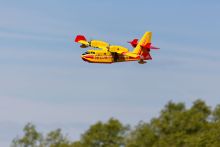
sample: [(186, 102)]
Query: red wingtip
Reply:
[(80, 37)]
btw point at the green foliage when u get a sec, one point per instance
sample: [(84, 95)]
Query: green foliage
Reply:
[(56, 138), (168, 121), (142, 135), (31, 137), (110, 134), (216, 113), (176, 126)]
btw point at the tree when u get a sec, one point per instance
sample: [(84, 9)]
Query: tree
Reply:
[(31, 137), (168, 121), (169, 126), (110, 134), (216, 113), (56, 139), (197, 117), (142, 136), (176, 126)]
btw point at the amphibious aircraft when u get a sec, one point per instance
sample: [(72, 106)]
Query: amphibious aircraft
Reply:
[(103, 52)]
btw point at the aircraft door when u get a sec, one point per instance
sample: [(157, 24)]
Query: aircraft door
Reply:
[(115, 56)]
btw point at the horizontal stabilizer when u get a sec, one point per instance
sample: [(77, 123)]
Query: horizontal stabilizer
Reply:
[(134, 42), (155, 48)]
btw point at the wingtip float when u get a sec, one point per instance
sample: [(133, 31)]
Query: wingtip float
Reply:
[(102, 52)]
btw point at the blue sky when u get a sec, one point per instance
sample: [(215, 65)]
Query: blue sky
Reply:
[(43, 79)]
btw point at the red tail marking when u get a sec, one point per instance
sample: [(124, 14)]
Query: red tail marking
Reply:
[(147, 46)]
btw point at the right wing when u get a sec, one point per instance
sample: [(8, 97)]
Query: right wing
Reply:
[(118, 49)]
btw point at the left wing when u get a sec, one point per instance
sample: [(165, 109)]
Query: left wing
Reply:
[(93, 43), (100, 44)]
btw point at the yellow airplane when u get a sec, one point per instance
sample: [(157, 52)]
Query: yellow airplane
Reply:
[(102, 52)]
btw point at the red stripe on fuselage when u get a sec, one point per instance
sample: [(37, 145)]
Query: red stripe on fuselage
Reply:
[(89, 56)]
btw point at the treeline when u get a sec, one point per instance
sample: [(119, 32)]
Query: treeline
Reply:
[(176, 126)]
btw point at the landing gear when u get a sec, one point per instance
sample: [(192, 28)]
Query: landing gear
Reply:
[(142, 61)]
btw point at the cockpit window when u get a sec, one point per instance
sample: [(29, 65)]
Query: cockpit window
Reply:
[(88, 53), (85, 53)]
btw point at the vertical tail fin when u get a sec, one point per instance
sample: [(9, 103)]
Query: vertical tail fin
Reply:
[(145, 42), (143, 47)]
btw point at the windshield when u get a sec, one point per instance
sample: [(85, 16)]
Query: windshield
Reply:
[(85, 53)]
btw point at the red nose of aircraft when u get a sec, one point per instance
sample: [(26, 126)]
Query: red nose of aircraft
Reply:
[(87, 57), (83, 57)]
